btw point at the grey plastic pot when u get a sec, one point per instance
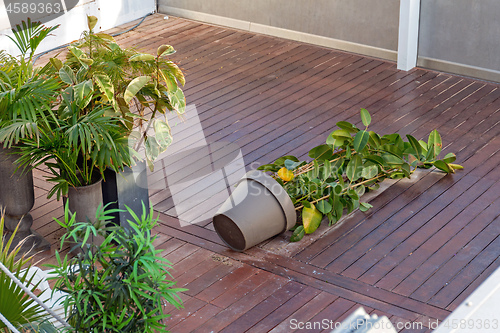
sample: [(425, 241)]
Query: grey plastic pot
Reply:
[(258, 209), (17, 197), (84, 200)]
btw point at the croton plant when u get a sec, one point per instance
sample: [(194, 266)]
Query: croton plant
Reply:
[(350, 163)]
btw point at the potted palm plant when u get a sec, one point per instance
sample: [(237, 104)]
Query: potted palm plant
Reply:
[(26, 93), (351, 162)]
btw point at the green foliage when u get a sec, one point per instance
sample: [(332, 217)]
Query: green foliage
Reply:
[(131, 82), (19, 309), (119, 285), (25, 92), (352, 162)]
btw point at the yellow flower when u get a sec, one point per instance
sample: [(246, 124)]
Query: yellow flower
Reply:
[(285, 174)]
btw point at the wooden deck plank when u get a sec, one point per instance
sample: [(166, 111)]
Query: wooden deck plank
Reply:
[(260, 311), (449, 248), (478, 255), (332, 313), (444, 207), (275, 318), (242, 306), (196, 320), (306, 312), (463, 226), (234, 278)]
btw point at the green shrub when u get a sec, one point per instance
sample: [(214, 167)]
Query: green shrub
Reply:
[(120, 285)]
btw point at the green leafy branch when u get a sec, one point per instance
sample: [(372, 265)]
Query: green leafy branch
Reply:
[(350, 163)]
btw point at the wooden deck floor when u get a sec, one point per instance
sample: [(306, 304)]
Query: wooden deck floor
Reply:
[(421, 250)]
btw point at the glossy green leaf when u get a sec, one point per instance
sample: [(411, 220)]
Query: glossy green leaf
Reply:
[(354, 168), (281, 161), (347, 126), (292, 165), (321, 152), (67, 75), (365, 117), (360, 140), (443, 166), (364, 206), (83, 93), (341, 133), (450, 158), (105, 85), (327, 169), (311, 217), (392, 159), (324, 206), (374, 140), (375, 159), (393, 149), (163, 134), (348, 152), (417, 148), (332, 219), (336, 166), (423, 144), (165, 50), (142, 57), (298, 234), (369, 171), (434, 143), (360, 190), (91, 22), (353, 194), (405, 168), (134, 86)]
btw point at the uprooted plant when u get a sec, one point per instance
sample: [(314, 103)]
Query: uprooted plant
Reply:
[(350, 163)]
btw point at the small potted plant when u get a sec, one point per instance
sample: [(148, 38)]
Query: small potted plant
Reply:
[(350, 163), (26, 93), (120, 285)]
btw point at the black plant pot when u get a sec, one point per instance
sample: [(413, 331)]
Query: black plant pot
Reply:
[(127, 188)]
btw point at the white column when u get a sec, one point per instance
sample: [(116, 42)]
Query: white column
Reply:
[(409, 15)]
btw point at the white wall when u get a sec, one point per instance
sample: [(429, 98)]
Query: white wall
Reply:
[(110, 13)]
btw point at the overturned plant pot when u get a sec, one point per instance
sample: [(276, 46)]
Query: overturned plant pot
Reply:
[(258, 209)]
